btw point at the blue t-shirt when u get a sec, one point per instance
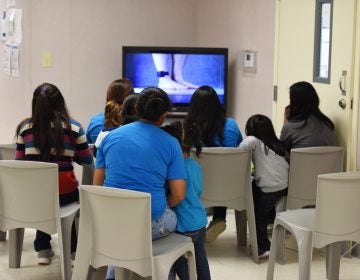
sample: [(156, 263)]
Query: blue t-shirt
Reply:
[(190, 212), (96, 124), (141, 156), (232, 135)]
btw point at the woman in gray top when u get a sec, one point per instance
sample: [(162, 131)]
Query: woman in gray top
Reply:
[(306, 125)]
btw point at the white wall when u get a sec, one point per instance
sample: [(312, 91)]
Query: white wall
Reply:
[(241, 25), (86, 39)]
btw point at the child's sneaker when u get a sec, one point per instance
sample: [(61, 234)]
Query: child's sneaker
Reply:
[(214, 229), (45, 256), (263, 254)]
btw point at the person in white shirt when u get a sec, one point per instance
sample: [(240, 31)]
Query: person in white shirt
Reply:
[(271, 171)]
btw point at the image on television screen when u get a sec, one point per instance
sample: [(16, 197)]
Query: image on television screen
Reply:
[(177, 72)]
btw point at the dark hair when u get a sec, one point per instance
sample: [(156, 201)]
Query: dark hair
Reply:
[(304, 102), (48, 115), (205, 110), (262, 128), (188, 135), (152, 103), (118, 90), (128, 112)]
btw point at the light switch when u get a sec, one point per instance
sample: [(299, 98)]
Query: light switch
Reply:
[(46, 59), (249, 61)]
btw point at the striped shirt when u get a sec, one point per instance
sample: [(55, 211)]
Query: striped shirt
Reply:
[(75, 149)]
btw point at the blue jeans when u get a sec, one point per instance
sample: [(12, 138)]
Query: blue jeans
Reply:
[(160, 227), (180, 267)]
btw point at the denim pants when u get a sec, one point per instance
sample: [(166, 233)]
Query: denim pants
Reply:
[(180, 267), (160, 227), (42, 239), (264, 205)]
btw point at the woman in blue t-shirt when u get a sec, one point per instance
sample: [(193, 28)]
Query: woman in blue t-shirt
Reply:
[(216, 131), (141, 156)]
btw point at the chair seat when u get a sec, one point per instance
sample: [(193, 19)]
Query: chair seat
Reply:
[(169, 244), (69, 209), (303, 219), (168, 249)]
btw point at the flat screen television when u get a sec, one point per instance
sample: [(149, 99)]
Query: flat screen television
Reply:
[(178, 71)]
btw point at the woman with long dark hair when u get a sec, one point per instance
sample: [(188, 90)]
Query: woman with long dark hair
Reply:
[(50, 135), (216, 130), (271, 172), (306, 125)]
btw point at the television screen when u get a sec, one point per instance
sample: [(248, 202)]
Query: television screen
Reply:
[(179, 71)]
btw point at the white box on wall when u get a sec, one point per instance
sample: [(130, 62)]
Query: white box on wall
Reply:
[(249, 61)]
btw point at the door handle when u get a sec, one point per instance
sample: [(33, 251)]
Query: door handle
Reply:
[(342, 82), (342, 103)]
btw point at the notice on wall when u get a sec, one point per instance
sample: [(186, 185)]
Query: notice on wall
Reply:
[(11, 60), (7, 59), (10, 3), (14, 60)]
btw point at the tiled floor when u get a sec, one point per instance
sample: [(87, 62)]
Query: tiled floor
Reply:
[(227, 262)]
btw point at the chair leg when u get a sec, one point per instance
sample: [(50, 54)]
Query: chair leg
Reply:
[(2, 235), (241, 227), (277, 230), (66, 224), (16, 238), (333, 255), (192, 265), (280, 250), (305, 255)]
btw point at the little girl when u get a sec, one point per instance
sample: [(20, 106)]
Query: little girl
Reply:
[(190, 212), (271, 171)]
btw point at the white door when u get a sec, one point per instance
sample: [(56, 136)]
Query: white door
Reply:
[(294, 61)]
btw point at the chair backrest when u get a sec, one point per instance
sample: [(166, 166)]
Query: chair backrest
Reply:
[(29, 195), (305, 166), (116, 224), (226, 177), (7, 151), (337, 208)]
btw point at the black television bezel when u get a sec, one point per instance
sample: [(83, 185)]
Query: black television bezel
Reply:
[(181, 108)]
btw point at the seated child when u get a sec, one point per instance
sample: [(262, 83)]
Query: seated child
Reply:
[(271, 171), (190, 212)]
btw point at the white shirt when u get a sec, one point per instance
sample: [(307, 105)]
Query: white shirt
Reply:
[(271, 170)]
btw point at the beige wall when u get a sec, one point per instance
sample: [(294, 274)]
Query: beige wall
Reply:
[(86, 39)]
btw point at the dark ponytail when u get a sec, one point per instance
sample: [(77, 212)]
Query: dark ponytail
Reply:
[(152, 104)]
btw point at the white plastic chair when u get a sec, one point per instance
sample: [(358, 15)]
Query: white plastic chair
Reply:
[(7, 151), (335, 218), (115, 229), (305, 165), (29, 199), (227, 182)]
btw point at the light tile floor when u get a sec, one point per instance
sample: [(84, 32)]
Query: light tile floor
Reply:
[(227, 261)]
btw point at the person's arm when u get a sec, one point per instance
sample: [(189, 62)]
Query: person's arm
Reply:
[(232, 134), (248, 143), (83, 154), (177, 192), (20, 148), (99, 176)]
